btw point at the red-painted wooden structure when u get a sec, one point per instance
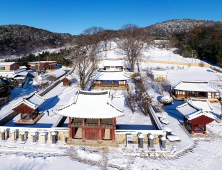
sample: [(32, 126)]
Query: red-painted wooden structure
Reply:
[(66, 81), (197, 125), (92, 131), (27, 113)]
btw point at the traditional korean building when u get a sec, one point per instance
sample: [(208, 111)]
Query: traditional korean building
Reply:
[(114, 64), (92, 116), (196, 89), (159, 75), (28, 108), (197, 113), (67, 80), (106, 80)]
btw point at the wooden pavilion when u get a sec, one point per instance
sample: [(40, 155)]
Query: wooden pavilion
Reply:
[(29, 109), (93, 115), (197, 113)]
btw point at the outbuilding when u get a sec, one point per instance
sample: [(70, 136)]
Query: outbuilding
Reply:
[(29, 109), (197, 114), (196, 89)]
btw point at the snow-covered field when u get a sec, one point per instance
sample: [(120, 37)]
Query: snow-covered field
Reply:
[(190, 154)]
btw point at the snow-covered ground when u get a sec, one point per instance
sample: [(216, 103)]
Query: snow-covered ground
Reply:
[(199, 154)]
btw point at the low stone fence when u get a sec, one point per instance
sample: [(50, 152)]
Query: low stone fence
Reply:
[(8, 116), (4, 100), (41, 133), (120, 135)]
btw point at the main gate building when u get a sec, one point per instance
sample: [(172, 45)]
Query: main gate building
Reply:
[(92, 115)]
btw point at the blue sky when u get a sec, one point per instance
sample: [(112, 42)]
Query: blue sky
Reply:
[(73, 16)]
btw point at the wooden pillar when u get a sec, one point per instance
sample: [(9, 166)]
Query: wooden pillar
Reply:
[(21, 116), (112, 83), (113, 121), (73, 132), (70, 132), (83, 130), (99, 137), (69, 121), (112, 134), (32, 115)]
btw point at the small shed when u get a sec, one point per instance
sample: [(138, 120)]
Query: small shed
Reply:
[(159, 75), (197, 114), (29, 109), (67, 81)]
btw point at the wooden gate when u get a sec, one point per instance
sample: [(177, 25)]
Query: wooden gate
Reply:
[(91, 134)]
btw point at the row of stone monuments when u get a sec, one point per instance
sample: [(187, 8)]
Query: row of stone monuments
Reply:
[(129, 141), (36, 136)]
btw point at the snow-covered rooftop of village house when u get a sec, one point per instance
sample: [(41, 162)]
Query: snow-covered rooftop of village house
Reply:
[(202, 86), (58, 73), (191, 111), (113, 62), (33, 101), (91, 105), (6, 63), (42, 62), (69, 77), (203, 104), (159, 72), (105, 75)]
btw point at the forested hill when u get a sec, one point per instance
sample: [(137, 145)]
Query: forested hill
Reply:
[(170, 27), (21, 39)]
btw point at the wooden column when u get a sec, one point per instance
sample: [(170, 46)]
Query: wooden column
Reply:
[(69, 121), (21, 116), (73, 132), (32, 115), (70, 132), (70, 128), (99, 137), (114, 124), (83, 130)]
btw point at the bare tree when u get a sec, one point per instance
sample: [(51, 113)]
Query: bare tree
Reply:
[(131, 43), (85, 54)]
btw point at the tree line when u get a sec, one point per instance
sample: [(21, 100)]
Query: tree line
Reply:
[(61, 58), (206, 41)]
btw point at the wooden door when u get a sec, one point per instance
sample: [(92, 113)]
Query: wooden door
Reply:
[(91, 134)]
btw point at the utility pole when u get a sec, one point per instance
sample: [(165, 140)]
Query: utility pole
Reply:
[(192, 56)]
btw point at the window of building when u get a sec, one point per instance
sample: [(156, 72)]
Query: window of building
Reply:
[(32, 67), (2, 68)]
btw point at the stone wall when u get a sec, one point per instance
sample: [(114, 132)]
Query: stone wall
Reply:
[(4, 119), (60, 135), (4, 100), (121, 138)]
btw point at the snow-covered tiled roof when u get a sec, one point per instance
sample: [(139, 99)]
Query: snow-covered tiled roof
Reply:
[(113, 62), (203, 104), (69, 77), (159, 72), (201, 86), (91, 105), (58, 73), (192, 111), (6, 63), (33, 101), (105, 75)]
